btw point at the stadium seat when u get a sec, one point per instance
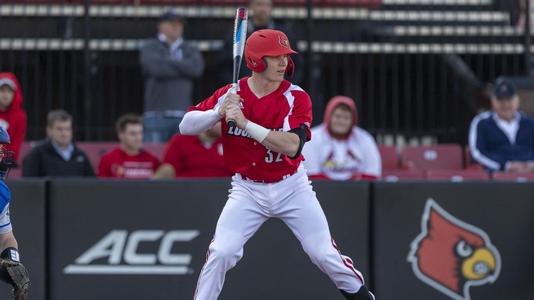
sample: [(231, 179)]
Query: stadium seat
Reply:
[(95, 150), (390, 159), (503, 176), (402, 175), (457, 175), (436, 157), (469, 162)]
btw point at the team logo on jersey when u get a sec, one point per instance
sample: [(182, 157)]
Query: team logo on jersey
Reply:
[(451, 255), (283, 41)]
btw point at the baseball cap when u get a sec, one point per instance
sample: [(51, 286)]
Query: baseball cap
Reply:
[(8, 82), (504, 89), (171, 16)]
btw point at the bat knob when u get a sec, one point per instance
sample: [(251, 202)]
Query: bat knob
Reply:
[(231, 123)]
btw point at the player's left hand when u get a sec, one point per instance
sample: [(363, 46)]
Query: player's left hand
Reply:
[(234, 112), (15, 273)]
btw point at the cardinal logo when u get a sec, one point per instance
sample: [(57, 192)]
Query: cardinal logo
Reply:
[(283, 41), (451, 255)]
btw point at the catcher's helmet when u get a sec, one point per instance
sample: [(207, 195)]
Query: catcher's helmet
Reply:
[(267, 42), (7, 160)]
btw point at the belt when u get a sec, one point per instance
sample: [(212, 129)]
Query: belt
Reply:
[(272, 180)]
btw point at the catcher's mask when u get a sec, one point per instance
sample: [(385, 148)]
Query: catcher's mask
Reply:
[(7, 158)]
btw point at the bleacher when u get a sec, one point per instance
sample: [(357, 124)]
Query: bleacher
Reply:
[(445, 162)]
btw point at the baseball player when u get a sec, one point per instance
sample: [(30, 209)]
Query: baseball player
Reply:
[(273, 120), (11, 270)]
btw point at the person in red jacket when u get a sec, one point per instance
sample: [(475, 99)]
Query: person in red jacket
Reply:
[(128, 160), (189, 156), (12, 116)]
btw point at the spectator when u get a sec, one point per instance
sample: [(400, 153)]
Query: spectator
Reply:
[(194, 156), (261, 18), (12, 116), (339, 149), (503, 139), (522, 16), (57, 156), (169, 66), (128, 160)]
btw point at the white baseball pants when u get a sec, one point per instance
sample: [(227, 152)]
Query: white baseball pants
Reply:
[(249, 205)]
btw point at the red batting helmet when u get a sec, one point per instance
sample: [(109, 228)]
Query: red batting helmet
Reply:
[(267, 42)]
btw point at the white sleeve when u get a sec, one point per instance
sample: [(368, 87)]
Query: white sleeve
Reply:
[(311, 153), (196, 121), (5, 222), (372, 161)]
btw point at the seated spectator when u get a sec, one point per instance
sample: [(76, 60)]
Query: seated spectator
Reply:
[(503, 139), (339, 149), (128, 160), (57, 156), (12, 116), (194, 156)]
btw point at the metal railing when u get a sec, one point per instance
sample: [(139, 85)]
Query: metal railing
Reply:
[(415, 68)]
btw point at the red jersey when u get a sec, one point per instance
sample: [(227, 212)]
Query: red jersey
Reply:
[(190, 157), (119, 164), (286, 108), (13, 119)]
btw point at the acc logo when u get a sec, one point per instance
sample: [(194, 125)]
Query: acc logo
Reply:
[(451, 255), (123, 257)]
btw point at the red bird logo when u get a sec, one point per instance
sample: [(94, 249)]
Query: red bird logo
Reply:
[(451, 255)]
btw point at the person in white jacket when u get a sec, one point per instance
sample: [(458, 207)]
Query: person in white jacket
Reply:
[(339, 149)]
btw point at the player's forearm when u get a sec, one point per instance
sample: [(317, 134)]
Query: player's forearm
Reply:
[(7, 240), (282, 142), (196, 122)]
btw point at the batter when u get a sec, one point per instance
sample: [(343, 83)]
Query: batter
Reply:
[(273, 120)]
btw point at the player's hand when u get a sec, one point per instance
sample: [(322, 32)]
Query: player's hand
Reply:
[(234, 112), (230, 98), (15, 274)]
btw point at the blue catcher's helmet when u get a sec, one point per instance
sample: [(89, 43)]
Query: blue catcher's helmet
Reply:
[(7, 160)]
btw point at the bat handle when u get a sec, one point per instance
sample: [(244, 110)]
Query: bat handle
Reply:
[(231, 123)]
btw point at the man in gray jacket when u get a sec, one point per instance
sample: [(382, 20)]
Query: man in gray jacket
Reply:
[(170, 65)]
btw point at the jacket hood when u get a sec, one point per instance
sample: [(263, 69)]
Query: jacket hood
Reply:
[(16, 104), (332, 104)]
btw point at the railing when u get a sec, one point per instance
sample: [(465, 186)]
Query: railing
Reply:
[(415, 68)]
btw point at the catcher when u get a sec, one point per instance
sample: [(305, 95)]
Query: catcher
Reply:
[(11, 270)]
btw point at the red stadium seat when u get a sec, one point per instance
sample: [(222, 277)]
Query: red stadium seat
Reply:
[(437, 157), (457, 175), (469, 162), (402, 175), (503, 176), (95, 150), (390, 159)]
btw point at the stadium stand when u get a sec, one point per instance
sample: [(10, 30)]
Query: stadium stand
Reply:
[(437, 157), (403, 175), (389, 156), (501, 176), (457, 175)]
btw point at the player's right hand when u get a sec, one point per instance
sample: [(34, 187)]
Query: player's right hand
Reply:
[(231, 98)]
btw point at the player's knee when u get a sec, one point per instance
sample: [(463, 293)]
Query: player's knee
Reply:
[(226, 252)]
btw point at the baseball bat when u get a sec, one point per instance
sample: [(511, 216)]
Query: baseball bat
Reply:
[(240, 36)]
